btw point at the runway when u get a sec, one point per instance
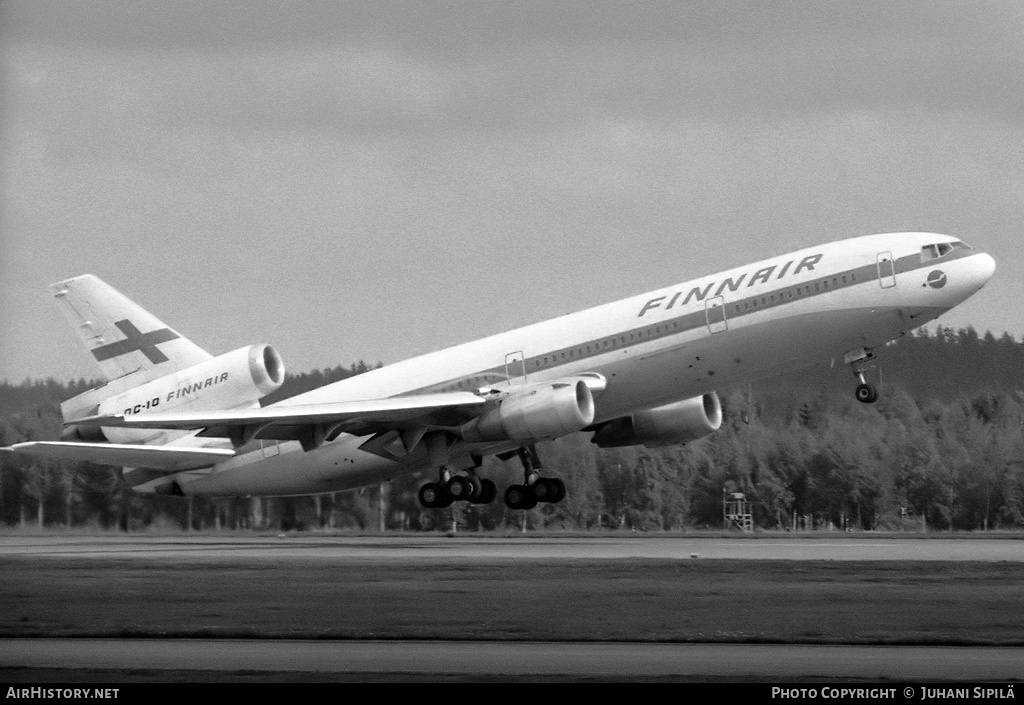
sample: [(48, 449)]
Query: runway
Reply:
[(256, 557), (468, 547), (420, 660)]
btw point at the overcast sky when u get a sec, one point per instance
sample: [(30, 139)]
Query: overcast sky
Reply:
[(372, 180)]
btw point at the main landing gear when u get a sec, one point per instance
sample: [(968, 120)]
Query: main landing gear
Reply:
[(471, 488), (457, 488), (858, 359), (454, 488), (535, 488)]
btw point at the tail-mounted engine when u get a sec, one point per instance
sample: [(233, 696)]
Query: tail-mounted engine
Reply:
[(680, 422), (238, 378)]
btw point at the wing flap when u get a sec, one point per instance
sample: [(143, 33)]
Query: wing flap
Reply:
[(168, 459), (287, 422)]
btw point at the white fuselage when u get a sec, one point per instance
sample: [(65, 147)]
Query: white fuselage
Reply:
[(653, 349)]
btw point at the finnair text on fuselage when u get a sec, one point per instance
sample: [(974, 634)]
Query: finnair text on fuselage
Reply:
[(762, 276)]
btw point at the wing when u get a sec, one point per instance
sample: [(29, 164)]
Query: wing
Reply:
[(312, 424), (165, 458)]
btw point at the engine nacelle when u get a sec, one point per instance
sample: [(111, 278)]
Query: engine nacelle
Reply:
[(680, 422), (234, 379), (544, 411)]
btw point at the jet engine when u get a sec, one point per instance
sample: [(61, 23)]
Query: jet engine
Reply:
[(676, 423), (235, 379), (535, 413)]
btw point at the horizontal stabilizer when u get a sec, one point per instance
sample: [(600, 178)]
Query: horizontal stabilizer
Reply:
[(167, 458)]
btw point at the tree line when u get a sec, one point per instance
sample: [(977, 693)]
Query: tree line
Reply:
[(942, 449)]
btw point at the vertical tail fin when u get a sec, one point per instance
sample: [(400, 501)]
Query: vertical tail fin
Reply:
[(124, 338)]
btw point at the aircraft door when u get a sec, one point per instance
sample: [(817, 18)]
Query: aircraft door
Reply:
[(886, 270), (714, 311), (515, 368)]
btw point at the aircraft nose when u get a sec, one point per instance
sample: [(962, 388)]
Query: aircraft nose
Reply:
[(984, 267)]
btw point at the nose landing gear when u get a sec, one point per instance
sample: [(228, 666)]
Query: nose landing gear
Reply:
[(858, 359)]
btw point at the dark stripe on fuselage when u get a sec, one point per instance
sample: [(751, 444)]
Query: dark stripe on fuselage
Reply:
[(696, 320)]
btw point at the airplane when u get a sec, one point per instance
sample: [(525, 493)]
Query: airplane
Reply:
[(640, 371)]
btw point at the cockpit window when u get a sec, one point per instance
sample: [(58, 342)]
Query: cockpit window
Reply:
[(941, 249)]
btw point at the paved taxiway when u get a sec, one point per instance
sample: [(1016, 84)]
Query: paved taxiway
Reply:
[(821, 547)]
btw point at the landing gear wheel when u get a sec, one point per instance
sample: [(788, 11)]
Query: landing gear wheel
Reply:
[(544, 489), (433, 495), (459, 488), (488, 491), (548, 489), (476, 488), (559, 490), (520, 497), (866, 394)]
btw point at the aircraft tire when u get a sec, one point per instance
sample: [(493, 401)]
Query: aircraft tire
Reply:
[(459, 488), (514, 496), (433, 495), (559, 490), (488, 491), (542, 489), (866, 394), (476, 488), (520, 497)]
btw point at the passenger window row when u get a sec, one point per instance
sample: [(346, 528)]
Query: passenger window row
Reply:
[(797, 292)]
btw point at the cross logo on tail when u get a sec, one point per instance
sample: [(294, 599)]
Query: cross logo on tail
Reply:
[(146, 343)]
